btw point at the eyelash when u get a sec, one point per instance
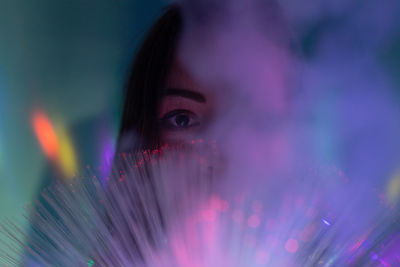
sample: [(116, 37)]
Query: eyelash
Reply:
[(168, 121)]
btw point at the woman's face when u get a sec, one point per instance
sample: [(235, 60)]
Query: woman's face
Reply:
[(240, 102), (186, 109), (192, 109)]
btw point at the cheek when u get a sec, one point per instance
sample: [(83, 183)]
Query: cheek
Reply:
[(178, 137), (247, 153), (267, 152)]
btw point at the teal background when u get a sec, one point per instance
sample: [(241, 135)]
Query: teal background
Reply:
[(68, 58)]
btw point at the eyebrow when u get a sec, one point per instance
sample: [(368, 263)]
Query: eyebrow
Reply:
[(185, 93)]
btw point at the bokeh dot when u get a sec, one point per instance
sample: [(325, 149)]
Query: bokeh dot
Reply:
[(253, 221), (292, 245)]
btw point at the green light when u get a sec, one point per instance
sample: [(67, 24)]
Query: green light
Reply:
[(90, 263)]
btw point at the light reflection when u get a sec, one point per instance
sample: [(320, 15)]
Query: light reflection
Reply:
[(56, 144), (67, 156), (45, 134), (393, 187), (107, 154)]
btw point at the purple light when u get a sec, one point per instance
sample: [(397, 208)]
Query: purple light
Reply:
[(374, 256), (326, 222), (107, 154)]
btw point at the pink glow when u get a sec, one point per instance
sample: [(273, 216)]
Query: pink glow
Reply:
[(253, 221), (292, 245)]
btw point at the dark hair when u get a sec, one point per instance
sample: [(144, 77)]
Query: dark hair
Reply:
[(139, 127)]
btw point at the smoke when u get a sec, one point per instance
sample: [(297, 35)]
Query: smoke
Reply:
[(298, 83), (305, 130), (301, 86)]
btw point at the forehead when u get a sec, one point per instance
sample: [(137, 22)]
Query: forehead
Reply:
[(179, 76)]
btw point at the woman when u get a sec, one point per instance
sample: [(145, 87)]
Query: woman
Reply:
[(163, 102), (160, 106), (167, 102)]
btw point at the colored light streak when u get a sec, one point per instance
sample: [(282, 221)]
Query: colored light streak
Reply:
[(326, 222), (107, 155), (66, 159), (393, 187), (46, 135), (56, 145), (358, 244)]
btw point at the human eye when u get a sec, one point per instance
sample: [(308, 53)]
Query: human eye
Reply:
[(179, 119)]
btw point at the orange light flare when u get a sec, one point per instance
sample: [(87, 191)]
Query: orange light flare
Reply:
[(46, 135), (56, 144)]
